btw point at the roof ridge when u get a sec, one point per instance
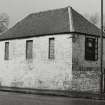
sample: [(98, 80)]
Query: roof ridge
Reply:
[(70, 18)]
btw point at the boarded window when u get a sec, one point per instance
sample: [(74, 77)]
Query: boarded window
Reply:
[(6, 51), (51, 48), (29, 49), (91, 49)]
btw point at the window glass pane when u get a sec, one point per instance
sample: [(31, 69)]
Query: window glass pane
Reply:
[(29, 49), (91, 49), (6, 50), (51, 48)]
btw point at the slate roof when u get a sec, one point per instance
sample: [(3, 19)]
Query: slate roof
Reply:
[(82, 25), (50, 22)]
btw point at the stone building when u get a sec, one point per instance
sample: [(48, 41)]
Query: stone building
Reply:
[(55, 50)]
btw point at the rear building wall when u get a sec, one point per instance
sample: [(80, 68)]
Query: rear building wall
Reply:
[(86, 74)]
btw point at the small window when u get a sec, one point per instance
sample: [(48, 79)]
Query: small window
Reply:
[(91, 48), (6, 51), (29, 49), (51, 48)]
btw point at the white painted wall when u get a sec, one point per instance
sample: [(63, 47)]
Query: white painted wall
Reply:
[(40, 72)]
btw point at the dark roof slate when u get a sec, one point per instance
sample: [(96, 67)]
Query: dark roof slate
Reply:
[(50, 22), (82, 25)]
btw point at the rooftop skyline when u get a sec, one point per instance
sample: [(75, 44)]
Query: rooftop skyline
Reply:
[(18, 9)]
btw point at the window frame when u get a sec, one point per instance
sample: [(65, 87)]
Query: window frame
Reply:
[(6, 55), (51, 54), (29, 57), (95, 48)]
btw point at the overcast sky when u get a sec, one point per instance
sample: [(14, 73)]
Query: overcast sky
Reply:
[(18, 9)]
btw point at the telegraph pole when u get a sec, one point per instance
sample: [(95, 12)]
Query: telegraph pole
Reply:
[(101, 51)]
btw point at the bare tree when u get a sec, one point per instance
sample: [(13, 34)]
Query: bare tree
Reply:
[(94, 18), (4, 22)]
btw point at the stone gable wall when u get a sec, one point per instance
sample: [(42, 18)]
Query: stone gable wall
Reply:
[(86, 74)]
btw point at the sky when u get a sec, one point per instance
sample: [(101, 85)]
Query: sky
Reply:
[(18, 9)]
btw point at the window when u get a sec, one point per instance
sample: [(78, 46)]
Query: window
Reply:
[(6, 51), (29, 49), (51, 48), (91, 48)]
